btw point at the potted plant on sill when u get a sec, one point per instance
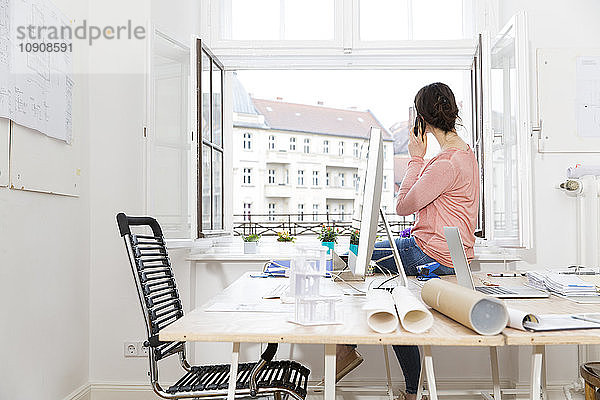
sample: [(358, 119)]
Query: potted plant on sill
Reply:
[(285, 241), (328, 237), (251, 243), (354, 238)]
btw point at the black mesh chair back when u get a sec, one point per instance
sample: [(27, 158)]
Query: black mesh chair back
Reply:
[(161, 306)]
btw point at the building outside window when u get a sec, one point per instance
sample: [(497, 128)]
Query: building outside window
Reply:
[(271, 142), (271, 176), (325, 146), (342, 179), (385, 152), (342, 211), (271, 211), (300, 212), (247, 175), (306, 146), (355, 150), (292, 144), (287, 177), (355, 181), (341, 149), (247, 141), (247, 211), (315, 212), (326, 178), (385, 182), (300, 177), (315, 180)]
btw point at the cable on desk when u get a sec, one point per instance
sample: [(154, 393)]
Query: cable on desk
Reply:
[(347, 283)]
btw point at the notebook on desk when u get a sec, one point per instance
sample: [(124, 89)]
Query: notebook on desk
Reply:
[(465, 279)]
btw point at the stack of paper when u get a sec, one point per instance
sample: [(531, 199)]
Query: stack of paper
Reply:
[(536, 280), (568, 285)]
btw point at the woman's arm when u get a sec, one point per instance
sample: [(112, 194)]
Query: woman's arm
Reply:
[(417, 192)]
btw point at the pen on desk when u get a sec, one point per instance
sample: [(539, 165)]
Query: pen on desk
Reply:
[(507, 275)]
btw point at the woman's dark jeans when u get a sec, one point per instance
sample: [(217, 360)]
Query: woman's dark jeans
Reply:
[(411, 256)]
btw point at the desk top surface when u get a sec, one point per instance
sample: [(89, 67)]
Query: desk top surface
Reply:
[(550, 305), (200, 325)]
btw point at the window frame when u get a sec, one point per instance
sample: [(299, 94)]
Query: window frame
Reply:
[(202, 49), (439, 54)]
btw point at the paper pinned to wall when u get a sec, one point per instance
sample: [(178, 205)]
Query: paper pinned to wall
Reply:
[(35, 85), (587, 100)]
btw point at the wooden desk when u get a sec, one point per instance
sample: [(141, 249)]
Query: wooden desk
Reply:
[(251, 327), (551, 305)]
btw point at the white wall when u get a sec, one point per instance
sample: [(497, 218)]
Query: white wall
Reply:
[(44, 272), (118, 104), (554, 25)]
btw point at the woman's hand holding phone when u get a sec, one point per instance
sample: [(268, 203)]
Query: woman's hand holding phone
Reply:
[(417, 143)]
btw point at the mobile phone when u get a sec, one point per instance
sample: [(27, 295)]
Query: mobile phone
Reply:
[(418, 123)]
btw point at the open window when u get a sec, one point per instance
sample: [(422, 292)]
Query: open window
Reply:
[(507, 142), (167, 154), (208, 144), (497, 108)]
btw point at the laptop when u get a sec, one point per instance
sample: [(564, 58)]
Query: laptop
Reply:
[(465, 278)]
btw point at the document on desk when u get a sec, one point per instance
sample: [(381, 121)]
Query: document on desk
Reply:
[(546, 322), (269, 306)]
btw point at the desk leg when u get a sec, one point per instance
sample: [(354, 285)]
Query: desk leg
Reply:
[(388, 372), (421, 379), (235, 357), (329, 372), (428, 361), (537, 358), (495, 373)]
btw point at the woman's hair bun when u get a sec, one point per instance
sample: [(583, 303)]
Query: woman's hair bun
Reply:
[(437, 105)]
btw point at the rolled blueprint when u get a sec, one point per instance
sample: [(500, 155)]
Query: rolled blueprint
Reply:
[(413, 314), (484, 314), (381, 311)]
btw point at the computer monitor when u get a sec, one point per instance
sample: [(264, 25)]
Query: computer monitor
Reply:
[(369, 209)]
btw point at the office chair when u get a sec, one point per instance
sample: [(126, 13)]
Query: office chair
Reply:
[(161, 306)]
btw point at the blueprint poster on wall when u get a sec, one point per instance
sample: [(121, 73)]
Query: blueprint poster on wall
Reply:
[(587, 102), (36, 83)]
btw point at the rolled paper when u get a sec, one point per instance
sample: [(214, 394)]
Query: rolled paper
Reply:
[(485, 315), (381, 311), (413, 314)]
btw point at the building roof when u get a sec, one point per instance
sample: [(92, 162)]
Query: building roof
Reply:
[(318, 119), (400, 133), (242, 102)]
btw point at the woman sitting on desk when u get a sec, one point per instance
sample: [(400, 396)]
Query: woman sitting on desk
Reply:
[(443, 191)]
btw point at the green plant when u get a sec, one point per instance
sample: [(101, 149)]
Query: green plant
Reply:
[(251, 238), (354, 236), (328, 234), (285, 237)]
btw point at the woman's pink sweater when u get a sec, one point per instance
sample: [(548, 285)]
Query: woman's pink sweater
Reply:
[(442, 192)]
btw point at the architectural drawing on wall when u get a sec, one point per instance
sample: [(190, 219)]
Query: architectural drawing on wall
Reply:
[(587, 100), (35, 86)]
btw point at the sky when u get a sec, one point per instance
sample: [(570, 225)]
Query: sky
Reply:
[(387, 93)]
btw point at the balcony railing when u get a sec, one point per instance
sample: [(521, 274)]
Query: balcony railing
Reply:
[(308, 223)]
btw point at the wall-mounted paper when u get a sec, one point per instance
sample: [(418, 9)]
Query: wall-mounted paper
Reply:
[(484, 314), (587, 98)]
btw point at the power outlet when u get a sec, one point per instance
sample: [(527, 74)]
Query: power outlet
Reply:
[(134, 349), (130, 349)]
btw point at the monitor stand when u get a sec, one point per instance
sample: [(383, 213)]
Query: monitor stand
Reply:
[(342, 272)]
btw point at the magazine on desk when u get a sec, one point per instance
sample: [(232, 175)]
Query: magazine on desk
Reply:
[(547, 322)]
